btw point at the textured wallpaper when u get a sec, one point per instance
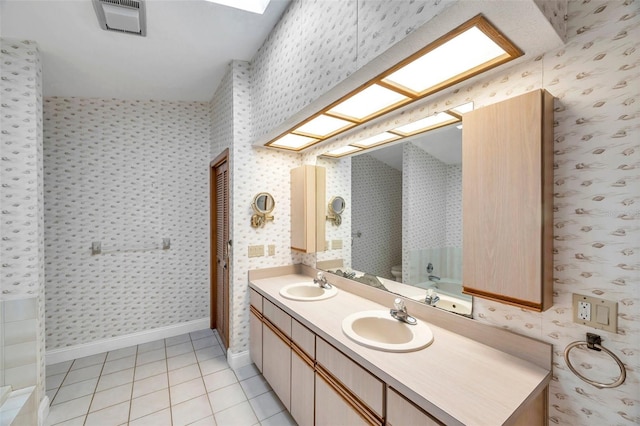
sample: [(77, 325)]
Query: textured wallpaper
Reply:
[(21, 188), (377, 206), (594, 77), (128, 174)]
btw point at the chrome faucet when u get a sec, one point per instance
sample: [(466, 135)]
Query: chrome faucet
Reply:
[(434, 278), (432, 298), (321, 280), (399, 312)]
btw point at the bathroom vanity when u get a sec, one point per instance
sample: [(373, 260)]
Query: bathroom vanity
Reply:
[(470, 373)]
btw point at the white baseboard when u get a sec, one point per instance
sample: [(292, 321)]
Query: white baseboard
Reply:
[(43, 411), (87, 349), (239, 359)]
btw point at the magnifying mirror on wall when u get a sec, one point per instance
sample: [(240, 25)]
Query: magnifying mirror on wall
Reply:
[(336, 207), (263, 204)]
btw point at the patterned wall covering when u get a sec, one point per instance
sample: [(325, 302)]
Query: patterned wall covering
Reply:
[(21, 191), (595, 79), (453, 234), (319, 43), (338, 184), (126, 173), (377, 202)]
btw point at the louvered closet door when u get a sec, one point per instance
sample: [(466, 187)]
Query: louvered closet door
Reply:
[(222, 250)]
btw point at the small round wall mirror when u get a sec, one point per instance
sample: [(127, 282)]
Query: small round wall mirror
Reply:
[(336, 207), (263, 204)]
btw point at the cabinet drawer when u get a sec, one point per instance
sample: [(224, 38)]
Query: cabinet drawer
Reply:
[(303, 338), (277, 317), (255, 299), (363, 384), (402, 412)]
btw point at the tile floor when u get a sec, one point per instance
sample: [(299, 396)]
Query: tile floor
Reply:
[(182, 380)]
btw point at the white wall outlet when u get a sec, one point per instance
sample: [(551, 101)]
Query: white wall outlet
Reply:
[(272, 249), (584, 310)]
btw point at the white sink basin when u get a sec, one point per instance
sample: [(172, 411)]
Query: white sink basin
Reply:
[(378, 330), (307, 291)]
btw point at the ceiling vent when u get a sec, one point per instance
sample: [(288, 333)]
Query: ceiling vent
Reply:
[(123, 16)]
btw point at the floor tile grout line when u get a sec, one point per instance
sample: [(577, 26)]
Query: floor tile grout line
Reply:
[(202, 379), (86, 416), (133, 383), (166, 361)]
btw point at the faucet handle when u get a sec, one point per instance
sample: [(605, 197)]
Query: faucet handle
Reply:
[(320, 276), (398, 304)]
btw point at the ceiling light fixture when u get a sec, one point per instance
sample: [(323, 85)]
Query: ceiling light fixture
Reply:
[(432, 122), (472, 48), (254, 6)]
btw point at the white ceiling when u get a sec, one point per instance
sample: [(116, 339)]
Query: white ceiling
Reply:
[(444, 143), (184, 56)]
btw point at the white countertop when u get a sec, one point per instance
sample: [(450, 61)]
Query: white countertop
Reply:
[(456, 379)]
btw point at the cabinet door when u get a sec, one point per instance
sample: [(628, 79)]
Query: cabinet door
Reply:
[(276, 363), (507, 157), (303, 392), (308, 208), (332, 409), (255, 339), (401, 412)]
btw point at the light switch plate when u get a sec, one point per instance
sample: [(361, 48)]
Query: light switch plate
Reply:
[(336, 244), (595, 312), (272, 249), (256, 251)]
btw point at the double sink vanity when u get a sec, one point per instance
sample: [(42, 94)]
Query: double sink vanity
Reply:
[(337, 355)]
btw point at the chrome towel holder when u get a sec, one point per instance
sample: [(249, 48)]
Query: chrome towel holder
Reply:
[(594, 342)]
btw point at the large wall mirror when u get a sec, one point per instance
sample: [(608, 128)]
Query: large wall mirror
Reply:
[(406, 219)]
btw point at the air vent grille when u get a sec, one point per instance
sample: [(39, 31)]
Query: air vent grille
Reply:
[(123, 16)]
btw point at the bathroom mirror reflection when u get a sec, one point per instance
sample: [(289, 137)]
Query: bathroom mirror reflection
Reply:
[(406, 219), (336, 208)]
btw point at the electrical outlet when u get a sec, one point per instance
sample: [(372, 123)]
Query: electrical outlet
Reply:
[(584, 311), (256, 251), (272, 249), (595, 312)]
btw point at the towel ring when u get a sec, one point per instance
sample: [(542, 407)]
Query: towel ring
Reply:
[(594, 343)]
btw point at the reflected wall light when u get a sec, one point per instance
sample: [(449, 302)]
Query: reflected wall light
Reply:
[(432, 122), (472, 48)]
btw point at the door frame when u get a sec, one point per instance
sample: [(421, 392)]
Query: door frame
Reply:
[(221, 158)]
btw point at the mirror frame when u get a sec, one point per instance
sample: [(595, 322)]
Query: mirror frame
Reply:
[(261, 216)]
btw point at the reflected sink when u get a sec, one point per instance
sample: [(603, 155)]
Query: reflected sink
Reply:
[(449, 303), (307, 291), (378, 330)]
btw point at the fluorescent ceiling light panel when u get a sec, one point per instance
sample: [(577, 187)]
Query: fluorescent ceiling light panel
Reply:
[(461, 109), (323, 125), (254, 6), (381, 138), (371, 100), (457, 56), (430, 122), (345, 150), (295, 142)]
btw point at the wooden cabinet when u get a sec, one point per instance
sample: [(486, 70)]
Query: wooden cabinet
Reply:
[(308, 208), (402, 412), (507, 153), (276, 363), (332, 408), (302, 388), (255, 329)]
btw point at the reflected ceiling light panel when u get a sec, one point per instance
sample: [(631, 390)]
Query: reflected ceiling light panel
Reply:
[(429, 123), (462, 54), (468, 50), (293, 142), (372, 101), (254, 6), (376, 140), (323, 126), (342, 151), (462, 109), (459, 127)]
